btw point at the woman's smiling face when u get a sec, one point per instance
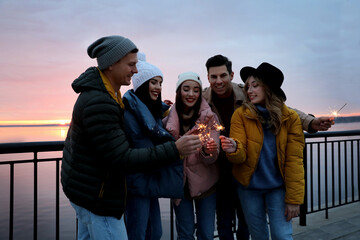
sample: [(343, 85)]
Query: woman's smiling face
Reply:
[(155, 87), (255, 91), (190, 92)]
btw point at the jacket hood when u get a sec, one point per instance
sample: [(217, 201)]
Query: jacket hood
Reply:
[(137, 108), (89, 80)]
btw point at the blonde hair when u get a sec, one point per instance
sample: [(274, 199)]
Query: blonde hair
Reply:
[(273, 103)]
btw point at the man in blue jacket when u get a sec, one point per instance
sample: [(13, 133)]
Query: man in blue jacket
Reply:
[(96, 155)]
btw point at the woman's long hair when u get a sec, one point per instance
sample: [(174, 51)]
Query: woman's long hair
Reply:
[(273, 103), (180, 106), (143, 94)]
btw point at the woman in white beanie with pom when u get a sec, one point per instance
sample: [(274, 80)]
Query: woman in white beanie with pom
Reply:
[(143, 126)]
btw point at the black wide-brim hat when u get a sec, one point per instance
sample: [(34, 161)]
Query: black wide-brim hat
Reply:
[(269, 74)]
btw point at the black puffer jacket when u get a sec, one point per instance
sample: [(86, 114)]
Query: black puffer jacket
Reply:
[(97, 156)]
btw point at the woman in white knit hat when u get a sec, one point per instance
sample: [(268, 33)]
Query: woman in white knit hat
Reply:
[(189, 115), (143, 126)]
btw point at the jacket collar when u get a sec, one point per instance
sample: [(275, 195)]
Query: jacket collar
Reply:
[(116, 96), (285, 113), (237, 93), (172, 124)]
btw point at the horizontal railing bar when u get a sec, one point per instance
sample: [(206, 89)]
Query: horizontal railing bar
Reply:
[(333, 134), (31, 147), (334, 141), (30, 161)]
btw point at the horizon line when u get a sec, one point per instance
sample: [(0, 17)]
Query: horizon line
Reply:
[(28, 123), (64, 122)]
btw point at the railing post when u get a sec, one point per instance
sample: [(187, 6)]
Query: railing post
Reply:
[(171, 220), (35, 194), (57, 214), (11, 223), (358, 165), (326, 181), (303, 207)]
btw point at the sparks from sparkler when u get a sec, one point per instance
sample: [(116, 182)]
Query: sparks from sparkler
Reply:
[(204, 130)]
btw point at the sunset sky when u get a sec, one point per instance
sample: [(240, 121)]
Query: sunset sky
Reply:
[(316, 43)]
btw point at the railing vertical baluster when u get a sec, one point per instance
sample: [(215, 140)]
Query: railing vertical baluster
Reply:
[(319, 176), (35, 194), (326, 182), (303, 207), (358, 167), (339, 171), (311, 178), (11, 220), (57, 199), (346, 172), (171, 221), (352, 171), (332, 174)]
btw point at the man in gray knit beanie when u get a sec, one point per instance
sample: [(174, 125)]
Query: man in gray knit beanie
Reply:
[(109, 50), (96, 155)]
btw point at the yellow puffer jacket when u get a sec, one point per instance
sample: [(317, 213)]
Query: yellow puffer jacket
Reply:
[(247, 131)]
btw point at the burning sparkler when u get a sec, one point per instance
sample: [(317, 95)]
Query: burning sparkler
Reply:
[(218, 127), (204, 130), (336, 113)]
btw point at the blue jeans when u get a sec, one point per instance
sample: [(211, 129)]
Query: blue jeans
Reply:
[(228, 207), (205, 218), (143, 219), (95, 227), (256, 203)]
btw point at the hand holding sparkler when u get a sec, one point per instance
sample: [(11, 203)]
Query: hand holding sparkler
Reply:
[(210, 147), (322, 123), (188, 144), (228, 144)]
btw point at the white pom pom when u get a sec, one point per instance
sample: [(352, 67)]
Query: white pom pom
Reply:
[(141, 56)]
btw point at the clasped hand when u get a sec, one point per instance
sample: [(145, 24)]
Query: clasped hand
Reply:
[(189, 144), (228, 144), (210, 147)]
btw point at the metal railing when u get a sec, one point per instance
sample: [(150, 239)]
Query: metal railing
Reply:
[(35, 148), (331, 161), (332, 171)]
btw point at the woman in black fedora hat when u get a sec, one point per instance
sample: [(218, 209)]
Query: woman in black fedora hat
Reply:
[(266, 148)]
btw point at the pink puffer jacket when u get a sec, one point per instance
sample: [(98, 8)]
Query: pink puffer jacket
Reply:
[(200, 171)]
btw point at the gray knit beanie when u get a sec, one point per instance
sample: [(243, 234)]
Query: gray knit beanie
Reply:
[(108, 50), (146, 71)]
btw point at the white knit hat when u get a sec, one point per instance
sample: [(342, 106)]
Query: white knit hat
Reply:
[(146, 71), (188, 76)]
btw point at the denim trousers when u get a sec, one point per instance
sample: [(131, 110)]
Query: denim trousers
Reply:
[(143, 218), (228, 207), (205, 218), (257, 205), (95, 227)]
